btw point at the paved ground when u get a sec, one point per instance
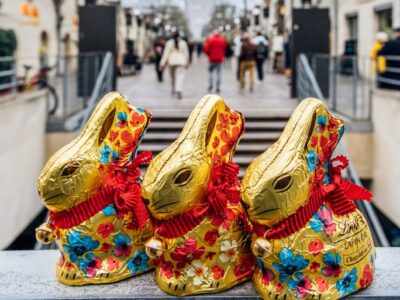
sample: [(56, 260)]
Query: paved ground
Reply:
[(144, 90)]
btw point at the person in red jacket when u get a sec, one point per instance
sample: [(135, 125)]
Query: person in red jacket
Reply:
[(215, 47)]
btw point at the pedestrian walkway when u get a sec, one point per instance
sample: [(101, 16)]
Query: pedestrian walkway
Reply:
[(145, 91)]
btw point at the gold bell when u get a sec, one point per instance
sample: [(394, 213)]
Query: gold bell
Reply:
[(44, 234), (261, 248), (154, 247)]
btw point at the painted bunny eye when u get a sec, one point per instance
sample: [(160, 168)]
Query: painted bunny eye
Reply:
[(70, 169), (283, 183), (183, 177)]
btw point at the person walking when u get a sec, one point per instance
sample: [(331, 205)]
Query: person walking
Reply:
[(215, 47), (158, 51), (390, 76), (378, 65), (248, 56), (262, 53), (176, 56), (237, 46)]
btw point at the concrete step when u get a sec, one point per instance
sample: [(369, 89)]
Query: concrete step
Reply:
[(242, 148), (248, 137), (255, 126)]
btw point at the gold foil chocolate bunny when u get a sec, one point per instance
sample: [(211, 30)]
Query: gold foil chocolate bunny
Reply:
[(200, 244), (93, 191), (309, 238)]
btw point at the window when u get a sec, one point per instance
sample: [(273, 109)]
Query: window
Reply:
[(352, 25), (384, 19)]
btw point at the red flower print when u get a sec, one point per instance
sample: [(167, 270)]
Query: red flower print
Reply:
[(278, 287), (166, 269), (216, 142), (224, 122), (61, 261), (90, 266), (113, 135), (211, 237), (234, 117), (217, 158), (130, 143), (210, 255), (136, 119), (322, 284), (186, 253), (112, 263), (244, 268), (105, 229), (333, 124), (267, 276), (229, 140), (69, 266), (218, 272), (315, 266), (105, 247), (367, 277), (223, 218), (315, 247), (314, 141)]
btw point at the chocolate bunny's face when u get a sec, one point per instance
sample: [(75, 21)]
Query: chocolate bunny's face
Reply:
[(177, 178), (278, 182), (74, 173)]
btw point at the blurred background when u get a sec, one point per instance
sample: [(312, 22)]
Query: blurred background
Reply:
[(59, 57)]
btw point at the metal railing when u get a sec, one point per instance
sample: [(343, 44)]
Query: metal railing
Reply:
[(389, 77), (8, 74), (307, 86), (102, 84), (346, 83)]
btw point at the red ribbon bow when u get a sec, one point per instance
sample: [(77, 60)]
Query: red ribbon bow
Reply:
[(339, 195)]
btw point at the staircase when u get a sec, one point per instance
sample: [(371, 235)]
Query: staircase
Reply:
[(262, 129)]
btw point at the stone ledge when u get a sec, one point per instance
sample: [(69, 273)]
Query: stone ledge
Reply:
[(31, 275)]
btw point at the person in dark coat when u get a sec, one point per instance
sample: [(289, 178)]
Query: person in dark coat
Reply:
[(390, 78), (158, 51)]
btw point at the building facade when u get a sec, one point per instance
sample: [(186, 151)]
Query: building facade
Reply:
[(360, 20), (34, 23)]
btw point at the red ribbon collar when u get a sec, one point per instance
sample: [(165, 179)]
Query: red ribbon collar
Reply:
[(223, 188), (339, 195), (122, 189)]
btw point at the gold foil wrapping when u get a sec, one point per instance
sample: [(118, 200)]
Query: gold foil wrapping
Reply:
[(103, 248), (332, 255), (215, 254)]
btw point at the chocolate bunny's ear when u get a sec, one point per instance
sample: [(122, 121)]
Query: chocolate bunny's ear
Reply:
[(117, 127), (221, 130)]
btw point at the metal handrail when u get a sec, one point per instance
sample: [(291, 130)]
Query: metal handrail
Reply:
[(12, 72), (103, 84), (306, 77)]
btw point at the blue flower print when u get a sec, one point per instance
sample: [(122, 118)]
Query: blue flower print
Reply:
[(122, 245), (311, 160), (78, 245), (122, 119), (321, 120), (290, 264), (347, 284), (109, 210), (115, 156), (327, 178), (333, 265), (105, 154), (323, 221), (89, 264), (138, 262), (301, 284)]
